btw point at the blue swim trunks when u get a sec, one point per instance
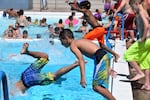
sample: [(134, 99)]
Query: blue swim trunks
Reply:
[(101, 68), (32, 76)]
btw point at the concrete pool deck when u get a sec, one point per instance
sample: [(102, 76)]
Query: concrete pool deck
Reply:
[(121, 90)]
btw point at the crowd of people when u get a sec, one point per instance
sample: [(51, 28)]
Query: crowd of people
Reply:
[(136, 15)]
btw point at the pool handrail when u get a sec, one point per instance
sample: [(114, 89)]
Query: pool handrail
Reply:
[(122, 29), (3, 78), (122, 19)]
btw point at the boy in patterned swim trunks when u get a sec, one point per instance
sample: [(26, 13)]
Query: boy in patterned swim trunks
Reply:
[(98, 54), (32, 76)]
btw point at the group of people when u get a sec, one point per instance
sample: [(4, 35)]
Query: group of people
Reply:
[(136, 54), (13, 32), (136, 15)]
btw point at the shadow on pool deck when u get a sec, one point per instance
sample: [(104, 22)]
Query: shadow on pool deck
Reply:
[(139, 94)]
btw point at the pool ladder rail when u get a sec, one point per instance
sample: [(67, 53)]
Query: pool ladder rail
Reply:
[(3, 78)]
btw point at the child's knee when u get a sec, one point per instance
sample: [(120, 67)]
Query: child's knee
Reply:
[(46, 56), (95, 87)]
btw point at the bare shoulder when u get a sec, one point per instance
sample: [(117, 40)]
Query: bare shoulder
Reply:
[(82, 43), (76, 43)]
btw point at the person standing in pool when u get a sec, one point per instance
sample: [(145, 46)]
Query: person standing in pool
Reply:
[(98, 54), (98, 31), (32, 75)]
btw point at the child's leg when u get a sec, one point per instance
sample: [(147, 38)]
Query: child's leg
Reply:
[(65, 70), (139, 74), (32, 53), (105, 92), (101, 76), (146, 85), (48, 78), (18, 87)]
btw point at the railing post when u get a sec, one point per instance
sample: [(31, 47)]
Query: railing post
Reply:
[(3, 78), (122, 30)]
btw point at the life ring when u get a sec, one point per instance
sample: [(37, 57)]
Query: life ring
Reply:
[(148, 1), (75, 21)]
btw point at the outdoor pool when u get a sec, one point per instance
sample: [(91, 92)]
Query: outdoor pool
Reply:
[(66, 88)]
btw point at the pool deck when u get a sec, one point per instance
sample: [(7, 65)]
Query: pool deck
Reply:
[(121, 90)]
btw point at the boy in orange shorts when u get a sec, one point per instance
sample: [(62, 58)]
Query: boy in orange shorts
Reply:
[(98, 31)]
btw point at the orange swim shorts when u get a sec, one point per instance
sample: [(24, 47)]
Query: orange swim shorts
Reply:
[(96, 33)]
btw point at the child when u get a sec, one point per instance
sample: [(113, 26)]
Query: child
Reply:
[(128, 15), (98, 31), (138, 53), (91, 50), (32, 76), (36, 22)]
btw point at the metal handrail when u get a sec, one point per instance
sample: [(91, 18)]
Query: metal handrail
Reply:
[(122, 29), (122, 18), (3, 78)]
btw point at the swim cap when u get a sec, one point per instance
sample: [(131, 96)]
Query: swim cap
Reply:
[(85, 4)]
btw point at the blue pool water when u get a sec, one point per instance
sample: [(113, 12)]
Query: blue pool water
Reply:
[(66, 88)]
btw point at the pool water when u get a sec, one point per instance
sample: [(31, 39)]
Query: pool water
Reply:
[(66, 88), (33, 30)]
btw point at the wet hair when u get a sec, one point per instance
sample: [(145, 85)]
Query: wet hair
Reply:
[(25, 32), (70, 18), (38, 36), (28, 18), (96, 10), (60, 21), (58, 30), (73, 13), (85, 4), (84, 23), (49, 25), (11, 9), (20, 12), (66, 33)]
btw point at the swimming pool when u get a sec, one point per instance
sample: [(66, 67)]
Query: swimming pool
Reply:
[(66, 88)]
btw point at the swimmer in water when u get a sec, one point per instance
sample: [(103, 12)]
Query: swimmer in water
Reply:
[(32, 75)]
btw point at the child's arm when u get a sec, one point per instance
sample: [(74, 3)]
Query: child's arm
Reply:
[(144, 16), (123, 2), (76, 7), (110, 51), (80, 58)]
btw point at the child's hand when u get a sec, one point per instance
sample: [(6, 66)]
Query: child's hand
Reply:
[(83, 83), (112, 73), (116, 57)]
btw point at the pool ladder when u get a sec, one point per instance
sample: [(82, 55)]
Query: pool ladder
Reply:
[(3, 78)]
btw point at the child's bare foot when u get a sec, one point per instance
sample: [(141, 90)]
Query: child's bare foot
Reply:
[(145, 87), (24, 48), (137, 77)]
